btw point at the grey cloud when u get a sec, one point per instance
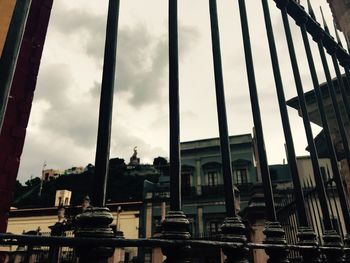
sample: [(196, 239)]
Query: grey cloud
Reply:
[(141, 58), (65, 117), (53, 83)]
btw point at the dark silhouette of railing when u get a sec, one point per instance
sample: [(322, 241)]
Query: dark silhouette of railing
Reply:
[(297, 235)]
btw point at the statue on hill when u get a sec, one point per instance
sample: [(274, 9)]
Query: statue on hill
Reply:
[(134, 160)]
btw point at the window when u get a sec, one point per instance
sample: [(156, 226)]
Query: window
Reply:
[(186, 179), (241, 176), (213, 178), (213, 227)]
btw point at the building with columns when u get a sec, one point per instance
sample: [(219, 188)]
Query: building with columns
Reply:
[(202, 189)]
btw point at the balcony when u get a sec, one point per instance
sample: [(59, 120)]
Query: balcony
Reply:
[(188, 191), (213, 190)]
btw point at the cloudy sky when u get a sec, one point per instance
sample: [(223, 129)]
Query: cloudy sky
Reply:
[(63, 124)]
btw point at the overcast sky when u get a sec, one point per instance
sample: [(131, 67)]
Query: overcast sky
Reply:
[(63, 125)]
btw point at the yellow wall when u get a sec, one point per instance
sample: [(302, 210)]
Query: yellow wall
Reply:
[(128, 222), (6, 10)]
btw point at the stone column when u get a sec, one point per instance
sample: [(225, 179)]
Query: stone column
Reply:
[(200, 220), (198, 177), (148, 224), (255, 213)]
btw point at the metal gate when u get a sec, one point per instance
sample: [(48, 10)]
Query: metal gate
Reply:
[(293, 235)]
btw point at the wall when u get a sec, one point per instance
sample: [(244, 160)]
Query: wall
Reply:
[(129, 222), (341, 13)]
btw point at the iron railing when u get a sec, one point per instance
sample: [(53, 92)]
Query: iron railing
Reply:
[(295, 233)]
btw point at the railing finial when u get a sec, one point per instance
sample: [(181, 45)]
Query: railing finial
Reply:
[(324, 22), (337, 34), (311, 10)]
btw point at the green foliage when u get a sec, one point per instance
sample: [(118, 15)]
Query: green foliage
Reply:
[(160, 162), (120, 187)]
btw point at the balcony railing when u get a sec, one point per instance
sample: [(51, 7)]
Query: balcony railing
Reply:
[(188, 191), (212, 190)]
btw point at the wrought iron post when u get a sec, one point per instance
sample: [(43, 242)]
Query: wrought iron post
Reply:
[(318, 35), (10, 52), (275, 235), (305, 115), (274, 232), (344, 60), (95, 221), (305, 235), (232, 229), (347, 245), (175, 225), (333, 240), (285, 120), (332, 48)]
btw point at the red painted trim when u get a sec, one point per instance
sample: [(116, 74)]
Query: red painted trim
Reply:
[(21, 96)]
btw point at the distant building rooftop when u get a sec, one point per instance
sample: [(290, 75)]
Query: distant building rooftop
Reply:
[(215, 142)]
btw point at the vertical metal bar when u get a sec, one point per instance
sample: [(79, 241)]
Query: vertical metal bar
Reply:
[(10, 53), (329, 201), (337, 176), (317, 208), (341, 88), (332, 50), (106, 106), (221, 108), (174, 110), (305, 116), (335, 202), (321, 108), (175, 225), (265, 173), (313, 214), (284, 113), (347, 74)]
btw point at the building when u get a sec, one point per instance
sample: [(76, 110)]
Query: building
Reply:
[(308, 181), (63, 198), (39, 220), (74, 170), (315, 118), (341, 15), (50, 174), (202, 188)]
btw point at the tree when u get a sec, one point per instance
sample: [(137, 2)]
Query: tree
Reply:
[(160, 162)]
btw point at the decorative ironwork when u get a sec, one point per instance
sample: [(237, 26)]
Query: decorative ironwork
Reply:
[(305, 227)]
